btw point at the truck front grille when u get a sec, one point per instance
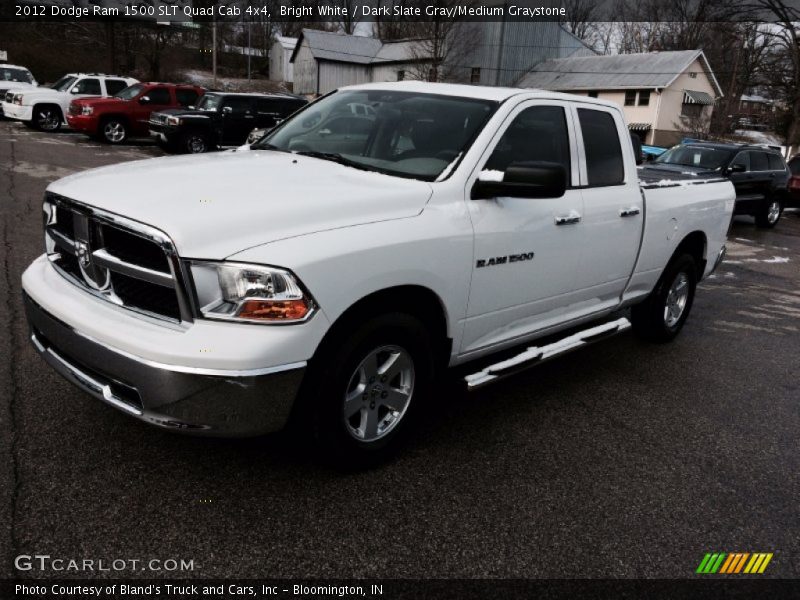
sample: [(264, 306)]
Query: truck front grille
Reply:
[(119, 260)]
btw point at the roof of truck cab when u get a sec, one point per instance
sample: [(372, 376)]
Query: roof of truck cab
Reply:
[(8, 66), (480, 92)]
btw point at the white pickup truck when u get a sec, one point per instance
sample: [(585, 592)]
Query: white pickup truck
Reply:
[(327, 274)]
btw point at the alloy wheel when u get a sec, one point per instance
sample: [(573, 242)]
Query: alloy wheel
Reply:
[(677, 299), (379, 393), (114, 131)]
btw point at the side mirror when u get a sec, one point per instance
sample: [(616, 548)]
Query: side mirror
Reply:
[(535, 179), (191, 107), (144, 100), (737, 168), (75, 90), (227, 110)]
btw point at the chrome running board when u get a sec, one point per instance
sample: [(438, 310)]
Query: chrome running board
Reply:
[(536, 355)]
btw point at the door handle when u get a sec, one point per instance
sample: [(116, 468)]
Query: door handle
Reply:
[(569, 219), (630, 211)]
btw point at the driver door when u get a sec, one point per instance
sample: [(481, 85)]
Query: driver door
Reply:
[(511, 298)]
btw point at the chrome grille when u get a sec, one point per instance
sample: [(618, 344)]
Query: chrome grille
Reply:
[(158, 118), (119, 260)]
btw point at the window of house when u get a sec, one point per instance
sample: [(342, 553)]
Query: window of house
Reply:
[(691, 110), (401, 75), (644, 98), (604, 164), (475, 75), (592, 94), (692, 75), (630, 98), (538, 133)]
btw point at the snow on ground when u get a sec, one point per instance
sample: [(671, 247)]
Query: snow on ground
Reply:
[(760, 137), (233, 84)]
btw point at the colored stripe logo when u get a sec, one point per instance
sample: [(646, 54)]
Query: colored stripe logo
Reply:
[(734, 563)]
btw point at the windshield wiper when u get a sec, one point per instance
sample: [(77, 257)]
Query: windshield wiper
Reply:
[(334, 157)]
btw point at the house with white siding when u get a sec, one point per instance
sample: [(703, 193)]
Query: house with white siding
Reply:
[(500, 53), (664, 95), (280, 59)]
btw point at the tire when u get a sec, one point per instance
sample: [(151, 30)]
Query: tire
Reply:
[(47, 118), (196, 142), (661, 317), (360, 397), (769, 214), (113, 131)]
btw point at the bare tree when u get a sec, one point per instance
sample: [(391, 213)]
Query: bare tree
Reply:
[(784, 60)]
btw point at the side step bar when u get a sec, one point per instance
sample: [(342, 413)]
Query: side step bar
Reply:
[(536, 355)]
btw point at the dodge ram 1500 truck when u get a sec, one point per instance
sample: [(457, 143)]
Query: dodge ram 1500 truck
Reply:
[(324, 276)]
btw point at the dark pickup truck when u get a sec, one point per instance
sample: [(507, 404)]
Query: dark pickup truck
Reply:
[(220, 119)]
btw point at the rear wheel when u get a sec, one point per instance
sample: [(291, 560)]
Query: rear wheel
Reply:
[(113, 131), (769, 214), (363, 393), (661, 317), (47, 118)]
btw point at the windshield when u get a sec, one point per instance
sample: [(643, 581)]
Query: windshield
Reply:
[(406, 134), (63, 83), (18, 75), (699, 157), (130, 92), (208, 102)]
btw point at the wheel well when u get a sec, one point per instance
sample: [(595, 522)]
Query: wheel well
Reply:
[(49, 105), (416, 300), (123, 118), (695, 245)]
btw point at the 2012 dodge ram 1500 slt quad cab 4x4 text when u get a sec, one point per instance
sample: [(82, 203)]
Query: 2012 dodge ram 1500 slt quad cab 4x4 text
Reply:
[(325, 275)]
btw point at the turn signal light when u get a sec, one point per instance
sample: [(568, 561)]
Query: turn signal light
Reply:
[(274, 310)]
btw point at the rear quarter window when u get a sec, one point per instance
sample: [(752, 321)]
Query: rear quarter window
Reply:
[(114, 86), (775, 162)]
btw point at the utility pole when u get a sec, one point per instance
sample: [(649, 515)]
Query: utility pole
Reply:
[(214, 52)]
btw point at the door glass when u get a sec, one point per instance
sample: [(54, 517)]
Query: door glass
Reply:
[(88, 86), (758, 161), (538, 133), (604, 164), (743, 158), (775, 162), (158, 96), (114, 86), (239, 106)]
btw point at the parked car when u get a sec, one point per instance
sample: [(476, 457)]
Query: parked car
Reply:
[(46, 108), (127, 113), (794, 181), (220, 119), (758, 173), (16, 78), (333, 284)]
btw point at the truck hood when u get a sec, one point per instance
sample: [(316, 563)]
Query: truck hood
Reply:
[(99, 102), (667, 169), (215, 205), (31, 96)]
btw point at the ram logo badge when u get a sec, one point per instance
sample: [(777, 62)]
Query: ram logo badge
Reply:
[(502, 260)]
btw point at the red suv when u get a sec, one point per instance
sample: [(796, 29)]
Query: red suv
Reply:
[(794, 181), (125, 114)]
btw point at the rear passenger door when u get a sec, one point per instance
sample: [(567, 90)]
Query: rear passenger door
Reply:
[(613, 209), (760, 175)]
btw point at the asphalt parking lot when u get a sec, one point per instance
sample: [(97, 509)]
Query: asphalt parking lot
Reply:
[(622, 460)]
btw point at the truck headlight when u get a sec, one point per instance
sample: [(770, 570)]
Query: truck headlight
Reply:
[(250, 293), (87, 110), (173, 120), (17, 99)]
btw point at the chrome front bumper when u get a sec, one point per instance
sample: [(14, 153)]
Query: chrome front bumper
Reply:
[(234, 405)]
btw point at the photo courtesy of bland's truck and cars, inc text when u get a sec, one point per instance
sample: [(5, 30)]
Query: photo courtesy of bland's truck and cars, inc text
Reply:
[(399, 298)]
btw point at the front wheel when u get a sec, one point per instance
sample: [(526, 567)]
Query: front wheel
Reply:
[(196, 142), (114, 131), (364, 392), (661, 317), (47, 118), (769, 214)]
